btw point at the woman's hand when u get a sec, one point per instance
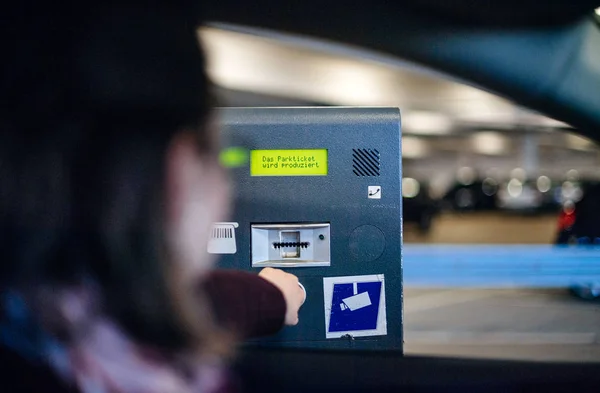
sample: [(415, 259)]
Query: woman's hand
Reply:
[(293, 293)]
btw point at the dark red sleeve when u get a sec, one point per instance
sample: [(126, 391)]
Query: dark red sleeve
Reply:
[(244, 302)]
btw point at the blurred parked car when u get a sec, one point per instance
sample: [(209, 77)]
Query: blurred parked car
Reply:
[(478, 195), (417, 205), (579, 224), (579, 220), (516, 195)]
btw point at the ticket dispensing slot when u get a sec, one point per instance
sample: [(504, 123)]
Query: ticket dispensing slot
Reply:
[(290, 245)]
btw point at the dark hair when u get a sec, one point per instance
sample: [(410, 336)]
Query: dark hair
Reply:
[(91, 97)]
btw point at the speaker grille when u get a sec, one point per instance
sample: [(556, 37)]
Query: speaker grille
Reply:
[(365, 162)]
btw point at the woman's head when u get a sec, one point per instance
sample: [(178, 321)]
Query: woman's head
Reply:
[(108, 161)]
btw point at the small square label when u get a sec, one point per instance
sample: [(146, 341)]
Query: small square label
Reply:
[(374, 192)]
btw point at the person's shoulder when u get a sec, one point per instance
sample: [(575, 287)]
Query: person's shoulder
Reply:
[(20, 375)]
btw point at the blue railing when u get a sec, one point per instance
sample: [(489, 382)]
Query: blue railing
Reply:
[(493, 266)]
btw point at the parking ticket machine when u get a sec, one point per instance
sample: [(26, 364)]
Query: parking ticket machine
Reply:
[(317, 193)]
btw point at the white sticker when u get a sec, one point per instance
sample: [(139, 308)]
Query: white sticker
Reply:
[(355, 305), (222, 238), (374, 192)]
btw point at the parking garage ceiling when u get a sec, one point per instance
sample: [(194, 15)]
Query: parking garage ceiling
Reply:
[(441, 116), (272, 64)]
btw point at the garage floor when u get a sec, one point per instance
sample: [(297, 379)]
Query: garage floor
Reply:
[(501, 323)]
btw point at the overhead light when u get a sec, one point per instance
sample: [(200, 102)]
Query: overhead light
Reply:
[(489, 143), (544, 184), (571, 191), (466, 175), (514, 188), (410, 187), (569, 207), (413, 147), (597, 11), (426, 123), (489, 186), (572, 175), (518, 174)]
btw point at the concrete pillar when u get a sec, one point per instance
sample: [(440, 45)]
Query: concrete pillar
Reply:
[(530, 154)]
